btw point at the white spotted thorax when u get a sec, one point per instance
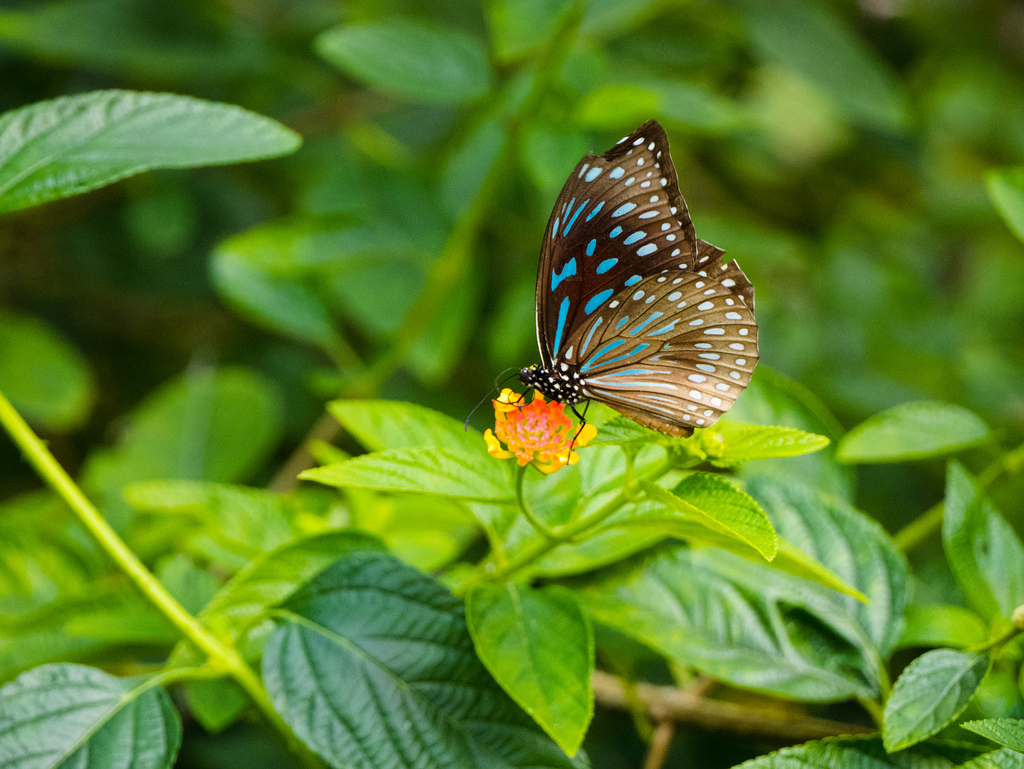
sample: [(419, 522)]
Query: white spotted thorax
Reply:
[(632, 309)]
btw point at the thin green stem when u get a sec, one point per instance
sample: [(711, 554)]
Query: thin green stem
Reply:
[(1000, 640), (930, 521), (542, 528), (874, 709), (564, 534), (221, 656)]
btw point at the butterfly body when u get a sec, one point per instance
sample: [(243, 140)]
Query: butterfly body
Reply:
[(632, 309)]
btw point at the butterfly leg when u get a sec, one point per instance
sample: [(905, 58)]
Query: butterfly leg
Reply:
[(583, 423)]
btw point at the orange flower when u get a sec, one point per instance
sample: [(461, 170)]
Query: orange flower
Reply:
[(540, 432)]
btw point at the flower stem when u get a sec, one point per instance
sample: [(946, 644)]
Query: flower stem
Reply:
[(930, 521), (570, 531), (221, 656), (542, 528)]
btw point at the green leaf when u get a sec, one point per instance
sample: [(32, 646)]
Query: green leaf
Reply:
[(819, 45), (208, 425), (266, 581), (713, 500), (859, 753), (77, 716), (373, 656), (141, 41), (421, 470), (853, 546), (942, 625), (664, 514), (191, 586), (422, 63), (1005, 731), (679, 105), (997, 759), (912, 431), (519, 27), (725, 444), (43, 376), (395, 425), (1006, 191), (929, 694), (540, 647), (64, 146), (772, 399), (280, 302), (983, 550), (729, 443), (735, 621), (231, 525)]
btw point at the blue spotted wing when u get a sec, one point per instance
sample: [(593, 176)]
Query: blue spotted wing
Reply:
[(646, 316)]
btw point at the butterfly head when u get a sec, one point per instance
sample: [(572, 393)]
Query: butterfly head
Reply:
[(562, 387)]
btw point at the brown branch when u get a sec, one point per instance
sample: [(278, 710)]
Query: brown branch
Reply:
[(660, 743), (287, 478), (686, 707)]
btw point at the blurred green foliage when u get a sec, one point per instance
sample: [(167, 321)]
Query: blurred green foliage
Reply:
[(864, 162)]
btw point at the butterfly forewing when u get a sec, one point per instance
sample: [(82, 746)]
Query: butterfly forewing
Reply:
[(619, 216), (632, 309)]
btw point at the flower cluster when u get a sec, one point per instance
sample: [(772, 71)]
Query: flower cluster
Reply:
[(539, 432)]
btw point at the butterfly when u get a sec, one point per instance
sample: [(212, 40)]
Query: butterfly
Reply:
[(632, 309)]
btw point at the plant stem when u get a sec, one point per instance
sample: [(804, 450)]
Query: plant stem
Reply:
[(562, 534), (221, 656), (930, 521), (542, 528), (1000, 640), (874, 710)]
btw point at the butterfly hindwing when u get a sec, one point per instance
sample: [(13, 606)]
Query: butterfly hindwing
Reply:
[(619, 216)]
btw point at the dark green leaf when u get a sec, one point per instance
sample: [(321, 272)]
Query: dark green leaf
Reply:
[(266, 581), (983, 550), (858, 753), (43, 376), (666, 515), (929, 694), (738, 622), (912, 431), (74, 144), (423, 470), (76, 716), (540, 647), (406, 58), (854, 547), (1005, 731), (373, 665), (997, 759)]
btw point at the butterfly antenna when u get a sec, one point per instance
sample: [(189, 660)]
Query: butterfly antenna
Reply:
[(498, 382)]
